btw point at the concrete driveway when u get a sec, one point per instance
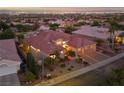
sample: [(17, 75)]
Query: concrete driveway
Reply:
[(9, 80)]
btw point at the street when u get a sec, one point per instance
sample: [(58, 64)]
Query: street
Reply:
[(94, 78)]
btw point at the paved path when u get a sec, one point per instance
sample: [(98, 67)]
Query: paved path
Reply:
[(95, 77), (9, 80)]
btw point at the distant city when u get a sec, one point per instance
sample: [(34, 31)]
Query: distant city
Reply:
[(16, 10)]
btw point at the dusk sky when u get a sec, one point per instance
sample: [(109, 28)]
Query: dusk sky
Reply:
[(65, 9)]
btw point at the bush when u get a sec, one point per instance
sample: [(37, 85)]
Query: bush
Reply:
[(7, 34), (71, 53), (79, 60), (54, 26), (69, 29), (29, 76), (116, 78), (96, 23), (49, 61)]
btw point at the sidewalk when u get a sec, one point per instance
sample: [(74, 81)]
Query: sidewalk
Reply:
[(73, 74)]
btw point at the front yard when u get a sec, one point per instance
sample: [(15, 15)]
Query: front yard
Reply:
[(60, 68)]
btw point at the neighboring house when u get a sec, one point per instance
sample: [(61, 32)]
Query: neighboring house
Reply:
[(43, 28), (95, 32), (47, 42), (9, 59)]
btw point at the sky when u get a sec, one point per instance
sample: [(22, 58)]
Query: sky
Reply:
[(61, 3), (65, 9)]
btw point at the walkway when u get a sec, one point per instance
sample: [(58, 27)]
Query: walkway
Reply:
[(9, 80)]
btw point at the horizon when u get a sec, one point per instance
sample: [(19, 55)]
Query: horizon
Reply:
[(63, 9)]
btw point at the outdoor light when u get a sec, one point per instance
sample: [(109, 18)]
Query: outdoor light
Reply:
[(53, 56), (61, 52), (58, 42), (38, 50), (64, 42), (118, 39)]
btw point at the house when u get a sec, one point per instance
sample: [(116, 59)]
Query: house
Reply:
[(47, 42), (95, 32), (9, 59)]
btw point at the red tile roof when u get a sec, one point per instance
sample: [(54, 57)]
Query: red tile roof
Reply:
[(44, 41)]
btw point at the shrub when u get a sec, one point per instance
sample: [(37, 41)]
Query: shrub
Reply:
[(116, 77), (49, 61), (71, 53), (29, 76), (79, 60), (54, 26), (7, 34), (69, 29)]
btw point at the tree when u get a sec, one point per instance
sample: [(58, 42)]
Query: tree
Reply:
[(116, 77), (7, 34), (20, 37), (113, 28), (3, 26), (96, 23), (25, 28), (32, 66), (25, 48), (69, 29), (54, 26)]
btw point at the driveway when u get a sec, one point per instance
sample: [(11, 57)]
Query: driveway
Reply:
[(9, 80)]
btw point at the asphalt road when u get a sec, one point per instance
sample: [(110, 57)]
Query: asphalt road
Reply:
[(94, 78)]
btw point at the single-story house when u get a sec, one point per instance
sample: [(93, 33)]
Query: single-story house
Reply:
[(47, 42), (95, 32), (9, 59)]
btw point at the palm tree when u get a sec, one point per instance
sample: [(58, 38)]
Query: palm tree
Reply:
[(112, 29)]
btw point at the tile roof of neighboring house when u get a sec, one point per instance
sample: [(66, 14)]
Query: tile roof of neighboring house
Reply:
[(44, 41), (8, 50), (95, 32)]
